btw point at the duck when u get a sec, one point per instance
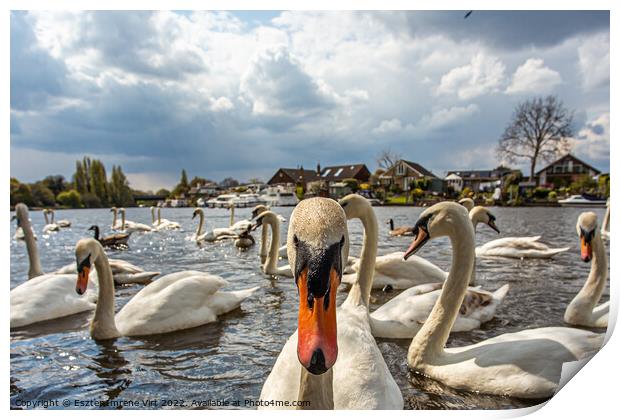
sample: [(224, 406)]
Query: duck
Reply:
[(332, 360), (130, 227), (217, 234), (521, 364), (582, 311), (115, 241), (269, 256), (44, 296), (176, 301), (398, 231), (50, 226)]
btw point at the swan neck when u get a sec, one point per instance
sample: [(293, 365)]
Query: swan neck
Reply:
[(605, 227), (274, 246), (592, 290), (152, 215), (360, 291), (159, 216), (232, 216), (103, 324), (114, 220), (317, 389), (432, 337), (263, 245), (34, 268), (201, 222), (123, 220)]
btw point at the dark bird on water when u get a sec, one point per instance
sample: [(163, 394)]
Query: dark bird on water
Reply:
[(468, 13), (115, 241)]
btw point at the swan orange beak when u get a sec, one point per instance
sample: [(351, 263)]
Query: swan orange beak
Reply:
[(82, 281), (586, 249), (421, 237), (317, 344)]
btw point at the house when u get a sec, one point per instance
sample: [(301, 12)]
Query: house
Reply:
[(405, 174), (338, 173), (207, 190), (478, 180), (284, 176), (564, 172)]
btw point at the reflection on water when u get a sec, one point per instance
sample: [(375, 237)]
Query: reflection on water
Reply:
[(231, 358)]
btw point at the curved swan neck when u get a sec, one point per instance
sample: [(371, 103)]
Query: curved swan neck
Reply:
[(270, 265), (263, 245), (605, 227), (232, 216), (159, 215), (317, 389), (360, 291), (592, 290), (153, 215), (114, 220), (47, 221), (52, 216), (201, 222), (123, 219), (34, 268), (432, 337), (103, 325)]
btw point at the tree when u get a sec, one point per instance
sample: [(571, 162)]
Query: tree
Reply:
[(20, 193), (55, 183), (183, 185), (120, 192), (386, 159), (42, 196), (99, 182), (164, 192), (229, 182), (70, 199), (539, 130), (198, 180)]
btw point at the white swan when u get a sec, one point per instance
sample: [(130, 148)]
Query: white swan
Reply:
[(212, 235), (256, 211), (130, 227), (64, 223), (518, 247), (468, 203), (19, 232), (524, 364), (176, 301), (269, 257), (403, 316), (50, 226), (605, 227), (336, 362), (165, 224), (116, 224), (44, 296), (582, 311)]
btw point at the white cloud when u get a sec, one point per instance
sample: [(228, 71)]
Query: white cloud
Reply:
[(592, 141), (484, 74), (594, 61), (533, 77), (222, 104), (445, 117), (388, 126)]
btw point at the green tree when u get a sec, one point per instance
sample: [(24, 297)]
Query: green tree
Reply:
[(351, 183), (20, 193), (183, 185), (120, 192), (197, 180), (164, 192), (98, 182), (71, 199), (42, 196), (55, 183)]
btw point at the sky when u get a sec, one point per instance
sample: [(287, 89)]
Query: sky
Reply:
[(243, 93)]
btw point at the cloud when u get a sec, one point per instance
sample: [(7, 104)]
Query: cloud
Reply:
[(594, 61), (592, 141), (484, 74), (533, 77), (388, 126), (446, 117)]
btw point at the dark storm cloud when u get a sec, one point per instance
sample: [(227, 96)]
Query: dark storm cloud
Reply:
[(501, 29)]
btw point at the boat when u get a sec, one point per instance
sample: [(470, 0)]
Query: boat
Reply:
[(221, 201), (247, 200), (582, 201), (279, 197)]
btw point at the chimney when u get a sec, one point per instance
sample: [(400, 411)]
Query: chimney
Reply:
[(318, 169)]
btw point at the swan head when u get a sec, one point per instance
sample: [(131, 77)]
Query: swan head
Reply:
[(481, 214), (261, 208), (586, 229), (86, 253), (113, 209), (317, 248), (354, 206), (196, 212), (467, 202), (441, 219)]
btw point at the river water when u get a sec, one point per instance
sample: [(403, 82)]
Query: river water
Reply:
[(229, 360)]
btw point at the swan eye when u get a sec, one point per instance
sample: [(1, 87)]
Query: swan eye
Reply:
[(85, 263)]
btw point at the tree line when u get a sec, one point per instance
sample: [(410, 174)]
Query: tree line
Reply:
[(89, 187)]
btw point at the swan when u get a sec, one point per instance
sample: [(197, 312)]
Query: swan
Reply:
[(115, 241), (269, 258), (518, 247), (44, 296), (468, 203), (403, 316), (64, 223), (212, 235), (256, 211), (336, 362), (130, 227), (524, 364), (581, 310), (176, 301), (165, 224), (605, 228), (399, 231), (50, 226), (19, 232), (116, 224)]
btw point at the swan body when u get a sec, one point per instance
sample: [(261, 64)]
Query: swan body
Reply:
[(359, 377), (123, 272), (518, 247), (44, 296), (130, 227), (19, 234), (176, 301), (163, 224), (524, 364), (582, 310), (269, 257), (212, 235), (50, 226), (61, 223)]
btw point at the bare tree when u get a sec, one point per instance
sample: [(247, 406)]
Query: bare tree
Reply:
[(539, 130), (387, 159)]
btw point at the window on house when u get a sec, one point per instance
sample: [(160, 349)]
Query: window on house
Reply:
[(338, 172), (326, 172)]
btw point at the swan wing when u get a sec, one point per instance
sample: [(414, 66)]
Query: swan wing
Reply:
[(47, 297)]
